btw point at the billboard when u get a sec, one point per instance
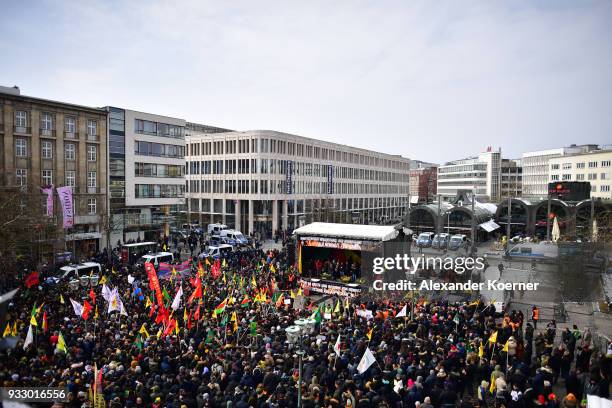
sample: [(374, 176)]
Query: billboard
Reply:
[(570, 190)]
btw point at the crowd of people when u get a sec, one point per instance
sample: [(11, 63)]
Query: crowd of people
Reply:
[(225, 345)]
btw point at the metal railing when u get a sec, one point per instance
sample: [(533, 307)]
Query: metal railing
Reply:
[(22, 129)]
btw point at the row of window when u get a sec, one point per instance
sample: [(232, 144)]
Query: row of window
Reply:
[(46, 150), (148, 127), (159, 190), (581, 165), (47, 122), (265, 145), (158, 170), (273, 166), (158, 149), (281, 187), (580, 177)]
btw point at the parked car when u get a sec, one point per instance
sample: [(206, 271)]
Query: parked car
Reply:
[(425, 239), (457, 241), (234, 237), (215, 229), (440, 241), (156, 258)]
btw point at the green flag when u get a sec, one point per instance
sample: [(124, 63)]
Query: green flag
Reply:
[(253, 328), (224, 321), (316, 315), (166, 294), (210, 335), (138, 343)]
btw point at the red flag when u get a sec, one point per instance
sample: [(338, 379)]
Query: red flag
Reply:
[(197, 293), (92, 296), (32, 280), (189, 320), (170, 327), (154, 282), (196, 315), (215, 271), (162, 315), (45, 326), (86, 310)]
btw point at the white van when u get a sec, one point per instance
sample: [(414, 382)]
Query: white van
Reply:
[(76, 271), (234, 237), (215, 229), (156, 258), (216, 252)]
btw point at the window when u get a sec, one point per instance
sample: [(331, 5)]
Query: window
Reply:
[(580, 165), (47, 149), (71, 178), (604, 188), (92, 153), (46, 122), (554, 177), (22, 177), (70, 125), (567, 166), (554, 167), (70, 151), (566, 177), (592, 176), (21, 148), (579, 177), (21, 118), (91, 205), (92, 128), (605, 163), (47, 177), (91, 179), (592, 165), (604, 176)]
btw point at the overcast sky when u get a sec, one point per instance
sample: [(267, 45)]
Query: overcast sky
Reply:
[(433, 81)]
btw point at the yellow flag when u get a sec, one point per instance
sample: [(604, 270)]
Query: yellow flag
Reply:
[(369, 334), (7, 330), (173, 271), (234, 317), (272, 268), (102, 281), (96, 314), (159, 333), (292, 294), (39, 309), (113, 270), (61, 299), (33, 321), (61, 343), (207, 262), (253, 282), (492, 386), (143, 331), (224, 264), (176, 328), (185, 314), (493, 338), (337, 308), (148, 302), (299, 291), (14, 332), (505, 347), (481, 351)]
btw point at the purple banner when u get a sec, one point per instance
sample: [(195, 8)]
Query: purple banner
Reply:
[(49, 192), (65, 195)]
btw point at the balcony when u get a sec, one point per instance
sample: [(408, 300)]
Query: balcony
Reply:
[(71, 135), (26, 130), (93, 138), (87, 219), (47, 132)]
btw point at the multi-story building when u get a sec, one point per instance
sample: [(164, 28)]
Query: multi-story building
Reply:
[(511, 179), (423, 182), (265, 181), (146, 173), (594, 167), (47, 143), (479, 175), (536, 168)]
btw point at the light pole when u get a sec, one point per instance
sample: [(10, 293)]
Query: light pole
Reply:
[(300, 354)]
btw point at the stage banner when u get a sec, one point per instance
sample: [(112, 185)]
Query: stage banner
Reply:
[(65, 195), (49, 192)]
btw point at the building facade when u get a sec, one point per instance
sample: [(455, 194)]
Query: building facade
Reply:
[(264, 181), (146, 173), (45, 143), (594, 167), (479, 175), (536, 168), (423, 182), (511, 179)]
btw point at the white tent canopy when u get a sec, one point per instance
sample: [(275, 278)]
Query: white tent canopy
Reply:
[(349, 231), (489, 226)]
